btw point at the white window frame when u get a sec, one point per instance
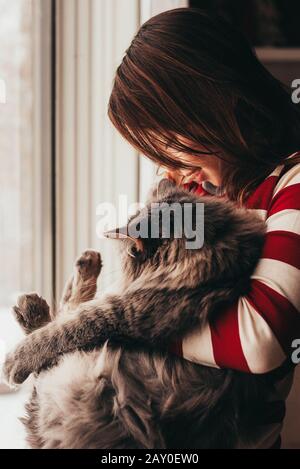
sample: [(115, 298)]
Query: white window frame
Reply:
[(42, 262)]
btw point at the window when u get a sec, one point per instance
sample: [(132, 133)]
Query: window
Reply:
[(25, 176)]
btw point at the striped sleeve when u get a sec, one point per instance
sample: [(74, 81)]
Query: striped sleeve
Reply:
[(255, 334)]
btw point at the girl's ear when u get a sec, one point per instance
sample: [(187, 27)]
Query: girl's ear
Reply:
[(122, 233)]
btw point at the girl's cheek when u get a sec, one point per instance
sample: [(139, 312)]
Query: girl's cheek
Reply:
[(180, 178), (173, 176)]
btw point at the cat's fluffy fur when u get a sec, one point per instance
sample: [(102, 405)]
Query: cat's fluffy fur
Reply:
[(131, 393)]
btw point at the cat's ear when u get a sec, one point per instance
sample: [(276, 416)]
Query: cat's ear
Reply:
[(161, 189), (117, 233), (122, 233)]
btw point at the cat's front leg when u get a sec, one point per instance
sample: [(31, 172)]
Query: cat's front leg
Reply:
[(39, 350), (89, 327), (132, 315), (43, 347)]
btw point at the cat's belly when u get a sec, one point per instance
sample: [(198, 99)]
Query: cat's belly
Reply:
[(72, 370), (60, 404)]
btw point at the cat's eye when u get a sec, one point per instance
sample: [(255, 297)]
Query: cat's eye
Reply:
[(132, 251)]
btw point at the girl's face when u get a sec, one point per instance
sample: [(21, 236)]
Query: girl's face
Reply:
[(207, 167)]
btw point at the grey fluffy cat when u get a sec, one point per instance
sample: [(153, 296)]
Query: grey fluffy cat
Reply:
[(103, 375)]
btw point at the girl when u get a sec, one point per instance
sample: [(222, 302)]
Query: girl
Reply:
[(191, 95)]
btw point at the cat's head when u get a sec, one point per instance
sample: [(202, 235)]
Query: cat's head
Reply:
[(188, 240)]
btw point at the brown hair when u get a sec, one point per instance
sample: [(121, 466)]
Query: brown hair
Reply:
[(191, 74)]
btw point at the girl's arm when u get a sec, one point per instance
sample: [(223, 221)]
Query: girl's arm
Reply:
[(255, 334)]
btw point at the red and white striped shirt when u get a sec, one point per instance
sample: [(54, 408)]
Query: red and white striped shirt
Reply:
[(255, 334)]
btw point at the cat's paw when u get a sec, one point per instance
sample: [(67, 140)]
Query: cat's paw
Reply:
[(15, 370), (89, 265), (31, 312)]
